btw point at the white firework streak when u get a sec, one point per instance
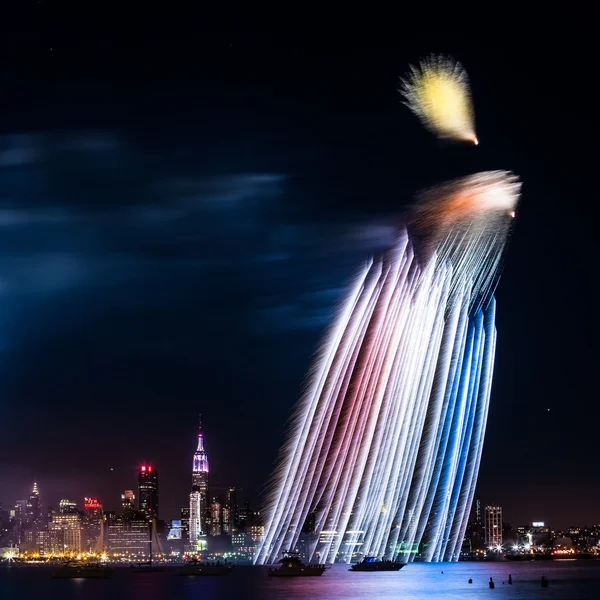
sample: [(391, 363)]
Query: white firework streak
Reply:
[(384, 447)]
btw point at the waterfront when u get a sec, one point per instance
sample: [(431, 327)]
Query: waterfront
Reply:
[(572, 579)]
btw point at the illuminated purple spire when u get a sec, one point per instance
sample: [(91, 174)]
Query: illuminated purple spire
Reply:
[(199, 496), (200, 458)]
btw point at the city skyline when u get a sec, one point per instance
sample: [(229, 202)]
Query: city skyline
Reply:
[(145, 496), (224, 526), (32, 529), (229, 528), (114, 503)]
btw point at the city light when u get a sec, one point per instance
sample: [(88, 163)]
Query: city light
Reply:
[(92, 504), (126, 540)]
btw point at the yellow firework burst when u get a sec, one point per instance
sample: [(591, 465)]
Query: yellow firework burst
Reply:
[(437, 91)]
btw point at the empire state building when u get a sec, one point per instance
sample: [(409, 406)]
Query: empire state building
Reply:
[(199, 494)]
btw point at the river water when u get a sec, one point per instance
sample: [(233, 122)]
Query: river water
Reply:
[(569, 579)]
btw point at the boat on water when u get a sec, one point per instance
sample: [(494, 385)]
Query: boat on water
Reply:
[(292, 566), (370, 563), (82, 570), (528, 556), (146, 567), (195, 568)]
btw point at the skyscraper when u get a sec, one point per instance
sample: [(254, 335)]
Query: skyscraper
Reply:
[(65, 532), (33, 505), (128, 501), (148, 491), (493, 526), (128, 535), (476, 529), (92, 508), (185, 523), (200, 463), (216, 517), (386, 442), (197, 519), (21, 511), (232, 523), (92, 524), (199, 494), (65, 507)]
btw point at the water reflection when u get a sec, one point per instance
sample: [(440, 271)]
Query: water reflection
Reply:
[(566, 579)]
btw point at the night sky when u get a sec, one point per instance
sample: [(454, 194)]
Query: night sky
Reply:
[(180, 212)]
